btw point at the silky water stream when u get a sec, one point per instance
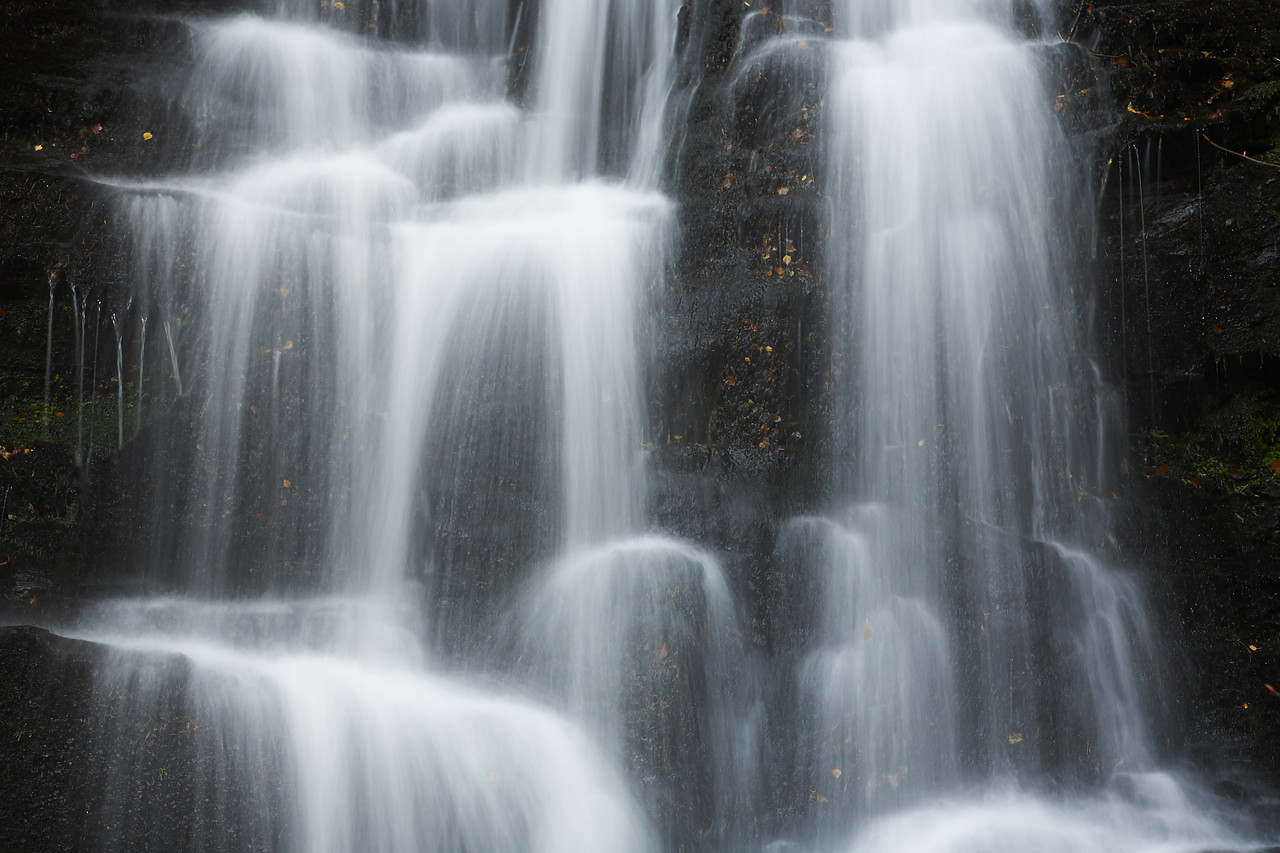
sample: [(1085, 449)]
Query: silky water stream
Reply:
[(411, 597)]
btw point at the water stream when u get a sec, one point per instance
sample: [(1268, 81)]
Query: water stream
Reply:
[(407, 584)]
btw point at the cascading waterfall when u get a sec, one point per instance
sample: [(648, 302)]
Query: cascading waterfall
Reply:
[(967, 628), (406, 594), (406, 320)]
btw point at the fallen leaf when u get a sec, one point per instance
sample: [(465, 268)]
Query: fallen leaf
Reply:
[(263, 517), (146, 134), (1016, 737), (782, 190), (287, 484), (731, 381), (836, 773)]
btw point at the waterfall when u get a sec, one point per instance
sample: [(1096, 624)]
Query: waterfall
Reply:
[(412, 386), (404, 587)]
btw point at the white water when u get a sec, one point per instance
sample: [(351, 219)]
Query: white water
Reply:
[(414, 306), (400, 510)]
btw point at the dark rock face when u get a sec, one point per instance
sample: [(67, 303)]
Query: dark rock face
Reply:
[(1188, 305), (46, 686), (1189, 234), (73, 720)]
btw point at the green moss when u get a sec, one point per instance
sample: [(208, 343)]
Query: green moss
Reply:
[(1235, 451), (65, 422)]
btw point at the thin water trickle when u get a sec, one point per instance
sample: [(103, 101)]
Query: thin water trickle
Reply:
[(46, 414), (173, 358), (77, 319), (142, 368), (1146, 291), (115, 326), (93, 381)]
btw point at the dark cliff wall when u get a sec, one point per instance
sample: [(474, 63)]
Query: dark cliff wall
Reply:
[(1190, 227)]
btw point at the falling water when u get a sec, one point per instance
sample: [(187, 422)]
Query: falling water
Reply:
[(142, 367), (173, 358), (47, 413), (966, 625), (115, 325), (418, 377), (405, 594), (93, 379), (78, 309)]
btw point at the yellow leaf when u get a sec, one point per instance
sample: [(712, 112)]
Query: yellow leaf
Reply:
[(836, 774), (786, 259), (146, 134), (1016, 737), (287, 484), (39, 147), (1253, 648), (339, 7)]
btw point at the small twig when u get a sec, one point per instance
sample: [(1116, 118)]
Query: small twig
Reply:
[(1206, 138)]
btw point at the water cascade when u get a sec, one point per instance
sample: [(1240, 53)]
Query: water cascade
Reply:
[(404, 586)]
